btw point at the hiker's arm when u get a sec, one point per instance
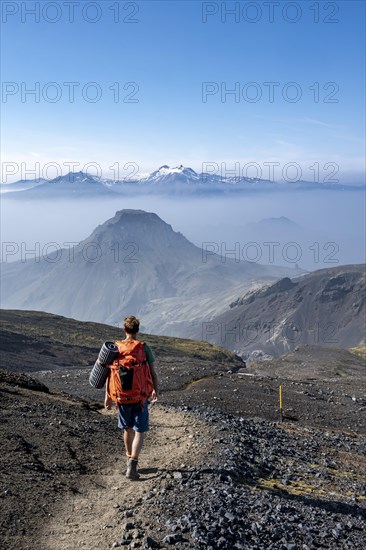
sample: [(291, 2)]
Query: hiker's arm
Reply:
[(107, 400), (154, 377)]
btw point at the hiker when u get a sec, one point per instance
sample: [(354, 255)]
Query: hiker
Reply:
[(132, 380)]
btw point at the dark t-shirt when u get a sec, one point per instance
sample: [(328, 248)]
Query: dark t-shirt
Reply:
[(150, 357)]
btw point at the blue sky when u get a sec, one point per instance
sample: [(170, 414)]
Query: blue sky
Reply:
[(169, 53)]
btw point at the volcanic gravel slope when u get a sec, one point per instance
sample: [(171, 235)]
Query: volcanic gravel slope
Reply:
[(209, 479), (322, 387), (214, 474)]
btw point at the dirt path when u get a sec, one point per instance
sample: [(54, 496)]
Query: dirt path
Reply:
[(94, 517)]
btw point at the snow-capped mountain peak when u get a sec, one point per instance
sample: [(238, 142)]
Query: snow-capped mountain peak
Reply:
[(164, 180), (170, 175)]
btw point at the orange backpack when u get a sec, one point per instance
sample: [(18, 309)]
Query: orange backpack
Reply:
[(130, 379)]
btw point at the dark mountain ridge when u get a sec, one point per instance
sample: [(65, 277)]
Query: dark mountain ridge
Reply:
[(326, 306)]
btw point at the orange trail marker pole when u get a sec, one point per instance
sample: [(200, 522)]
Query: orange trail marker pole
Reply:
[(281, 409)]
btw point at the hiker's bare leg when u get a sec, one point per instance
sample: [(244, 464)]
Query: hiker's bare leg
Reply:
[(137, 443), (128, 436)]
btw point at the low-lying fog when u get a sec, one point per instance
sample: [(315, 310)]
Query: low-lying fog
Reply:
[(330, 226)]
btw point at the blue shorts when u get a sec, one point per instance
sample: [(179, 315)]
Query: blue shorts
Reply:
[(134, 416)]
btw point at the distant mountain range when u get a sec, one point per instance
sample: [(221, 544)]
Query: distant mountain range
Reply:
[(324, 307), (178, 180), (134, 263)]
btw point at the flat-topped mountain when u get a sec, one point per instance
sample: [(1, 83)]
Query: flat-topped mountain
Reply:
[(134, 263)]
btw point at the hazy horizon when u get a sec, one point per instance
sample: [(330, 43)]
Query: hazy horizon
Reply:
[(321, 217), (248, 87)]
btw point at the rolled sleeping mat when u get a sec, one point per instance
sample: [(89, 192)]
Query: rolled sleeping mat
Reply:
[(98, 376), (108, 353)]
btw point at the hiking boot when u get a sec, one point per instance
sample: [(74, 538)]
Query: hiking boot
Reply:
[(132, 469)]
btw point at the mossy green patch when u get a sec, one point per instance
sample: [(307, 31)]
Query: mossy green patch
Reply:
[(359, 350)]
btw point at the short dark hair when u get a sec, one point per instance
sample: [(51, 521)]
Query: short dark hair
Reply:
[(131, 325)]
